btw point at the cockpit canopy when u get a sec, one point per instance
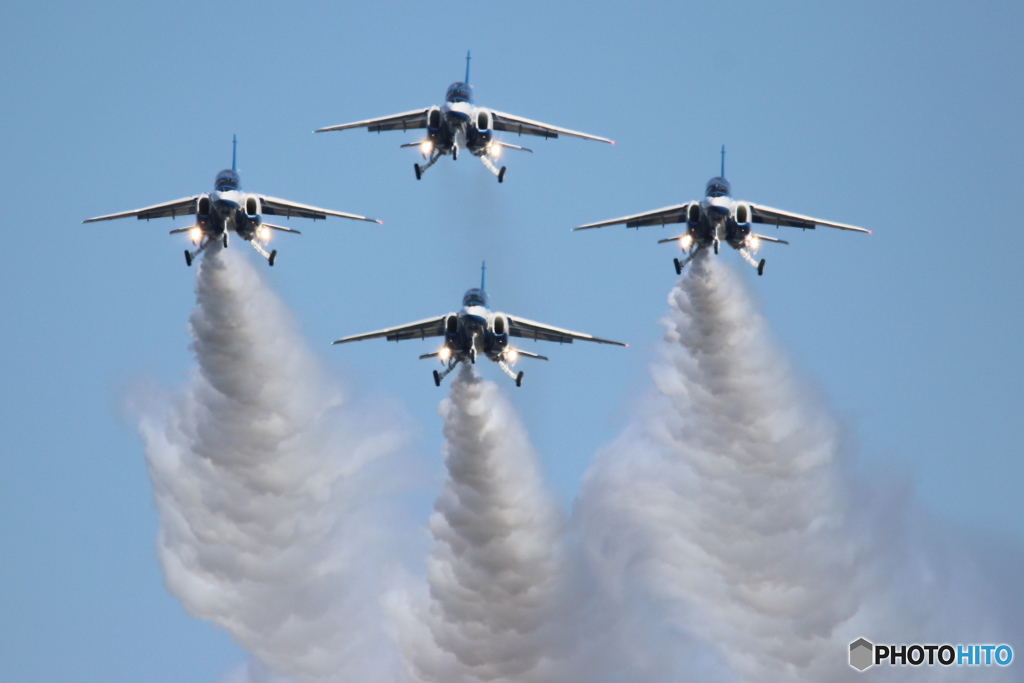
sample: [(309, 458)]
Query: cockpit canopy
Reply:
[(227, 180), (475, 297), (718, 187), (459, 92)]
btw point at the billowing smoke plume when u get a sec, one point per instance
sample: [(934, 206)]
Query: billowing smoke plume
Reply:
[(267, 483), (496, 571), (730, 540)]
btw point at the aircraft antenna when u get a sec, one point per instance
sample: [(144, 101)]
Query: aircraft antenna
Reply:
[(723, 161), (483, 274), (234, 152), (467, 67)]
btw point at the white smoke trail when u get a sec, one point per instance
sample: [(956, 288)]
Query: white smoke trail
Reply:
[(267, 485), (728, 536), (496, 571)]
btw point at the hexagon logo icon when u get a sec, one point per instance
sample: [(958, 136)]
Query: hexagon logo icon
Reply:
[(861, 652)]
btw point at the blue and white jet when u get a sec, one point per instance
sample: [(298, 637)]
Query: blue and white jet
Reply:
[(476, 330), (228, 209), (719, 218), (460, 124)]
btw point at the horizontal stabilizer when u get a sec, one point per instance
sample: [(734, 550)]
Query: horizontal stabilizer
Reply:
[(770, 239), (281, 228), (510, 146), (531, 355)]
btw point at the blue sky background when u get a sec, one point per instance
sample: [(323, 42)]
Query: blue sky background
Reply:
[(901, 117)]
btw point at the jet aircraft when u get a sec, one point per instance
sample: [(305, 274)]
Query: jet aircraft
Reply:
[(458, 123), (474, 330), (228, 209), (717, 218)]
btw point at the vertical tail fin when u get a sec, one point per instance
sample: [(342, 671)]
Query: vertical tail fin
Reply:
[(483, 275), (234, 153), (722, 174), (467, 68)]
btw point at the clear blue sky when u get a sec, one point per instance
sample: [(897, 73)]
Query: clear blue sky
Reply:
[(903, 118)]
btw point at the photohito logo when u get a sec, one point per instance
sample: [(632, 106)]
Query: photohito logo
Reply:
[(863, 654)]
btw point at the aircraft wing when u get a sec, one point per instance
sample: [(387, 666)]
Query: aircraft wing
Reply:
[(669, 214), (408, 120), (528, 329), (769, 216), (521, 126), (272, 206), (178, 207), (421, 329)]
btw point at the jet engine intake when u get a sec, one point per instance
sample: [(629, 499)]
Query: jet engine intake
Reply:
[(498, 334), (693, 213), (742, 213), (252, 206), (433, 120)]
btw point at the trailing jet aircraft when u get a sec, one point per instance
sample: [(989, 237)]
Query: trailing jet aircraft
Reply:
[(228, 209), (474, 330), (717, 218), (458, 123)]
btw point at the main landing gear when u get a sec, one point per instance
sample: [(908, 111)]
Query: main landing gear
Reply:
[(750, 259), (679, 264), (434, 156), (190, 256), (492, 168), (438, 376), (271, 257)]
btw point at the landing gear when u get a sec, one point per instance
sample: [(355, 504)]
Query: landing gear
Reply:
[(271, 257), (434, 156), (190, 256), (680, 264), (438, 376), (517, 378), (750, 259), (492, 168)]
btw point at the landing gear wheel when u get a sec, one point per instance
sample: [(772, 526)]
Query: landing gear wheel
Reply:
[(519, 379), (419, 175), (188, 258), (437, 379), (501, 175), (760, 267), (273, 257), (679, 266)]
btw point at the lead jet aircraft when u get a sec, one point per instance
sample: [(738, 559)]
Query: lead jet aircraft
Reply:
[(458, 123), (228, 209), (474, 330), (720, 218)]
